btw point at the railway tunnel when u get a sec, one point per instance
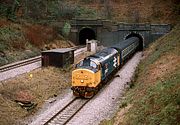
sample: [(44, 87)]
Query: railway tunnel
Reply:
[(141, 46), (86, 33)]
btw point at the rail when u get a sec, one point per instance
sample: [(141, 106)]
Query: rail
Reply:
[(19, 64), (68, 112)]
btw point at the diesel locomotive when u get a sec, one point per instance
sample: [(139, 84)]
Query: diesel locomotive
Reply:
[(93, 71)]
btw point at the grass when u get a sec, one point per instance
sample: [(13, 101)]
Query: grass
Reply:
[(107, 122), (159, 104), (155, 96), (40, 87)]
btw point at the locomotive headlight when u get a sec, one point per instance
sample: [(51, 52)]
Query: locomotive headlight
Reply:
[(82, 81)]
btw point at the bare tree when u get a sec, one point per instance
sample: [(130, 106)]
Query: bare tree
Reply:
[(136, 16), (108, 9)]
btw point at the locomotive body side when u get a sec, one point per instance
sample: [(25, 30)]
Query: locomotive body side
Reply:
[(109, 60)]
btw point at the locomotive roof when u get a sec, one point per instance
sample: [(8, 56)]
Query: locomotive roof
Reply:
[(103, 55), (122, 45)]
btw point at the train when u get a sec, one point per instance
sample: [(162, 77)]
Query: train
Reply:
[(92, 72)]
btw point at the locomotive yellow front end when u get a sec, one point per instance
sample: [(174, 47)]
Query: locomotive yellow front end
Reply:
[(86, 78)]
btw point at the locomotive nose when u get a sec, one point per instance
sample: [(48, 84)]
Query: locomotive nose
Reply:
[(82, 77)]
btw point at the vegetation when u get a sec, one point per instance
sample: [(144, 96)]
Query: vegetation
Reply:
[(43, 9), (36, 37), (34, 86), (160, 104), (29, 26), (131, 11), (155, 97), (13, 39)]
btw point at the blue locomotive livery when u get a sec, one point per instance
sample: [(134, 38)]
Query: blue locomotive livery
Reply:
[(109, 60), (92, 72)]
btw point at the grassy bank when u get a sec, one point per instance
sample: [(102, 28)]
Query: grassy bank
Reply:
[(154, 97)]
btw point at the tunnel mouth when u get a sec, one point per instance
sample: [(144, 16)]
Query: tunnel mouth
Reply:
[(141, 39), (86, 33)]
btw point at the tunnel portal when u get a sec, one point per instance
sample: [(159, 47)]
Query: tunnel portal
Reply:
[(141, 46), (86, 33)]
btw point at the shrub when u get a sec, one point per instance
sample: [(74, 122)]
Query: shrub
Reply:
[(66, 29), (3, 61), (38, 35), (11, 38), (85, 12), (3, 46), (60, 9)]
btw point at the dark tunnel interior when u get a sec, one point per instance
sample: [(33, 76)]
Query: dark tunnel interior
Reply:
[(140, 38), (86, 33)]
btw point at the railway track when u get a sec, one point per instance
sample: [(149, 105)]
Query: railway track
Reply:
[(78, 47), (19, 64), (67, 113)]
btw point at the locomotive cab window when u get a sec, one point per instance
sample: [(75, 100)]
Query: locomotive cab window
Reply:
[(93, 64), (87, 63)]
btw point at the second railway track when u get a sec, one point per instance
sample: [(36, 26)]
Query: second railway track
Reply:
[(20, 67), (20, 63), (34, 59)]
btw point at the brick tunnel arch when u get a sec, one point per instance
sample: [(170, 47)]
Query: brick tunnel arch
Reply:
[(141, 38), (86, 33)]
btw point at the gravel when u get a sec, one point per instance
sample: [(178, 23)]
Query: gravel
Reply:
[(103, 106), (20, 70)]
